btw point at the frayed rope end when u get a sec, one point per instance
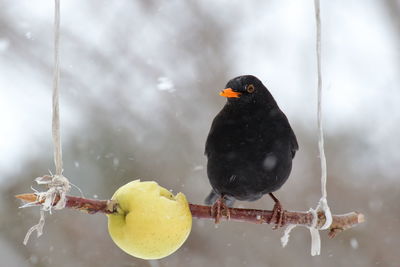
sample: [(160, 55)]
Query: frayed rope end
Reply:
[(58, 189), (286, 234)]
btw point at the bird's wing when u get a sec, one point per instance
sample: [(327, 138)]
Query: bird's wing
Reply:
[(294, 146), (211, 198), (210, 134), (206, 149), (293, 143)]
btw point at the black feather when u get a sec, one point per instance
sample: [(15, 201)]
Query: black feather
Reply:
[(250, 145)]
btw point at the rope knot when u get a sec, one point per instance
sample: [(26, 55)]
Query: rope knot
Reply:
[(58, 187)]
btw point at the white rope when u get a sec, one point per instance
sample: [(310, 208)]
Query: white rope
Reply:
[(57, 184), (38, 228), (286, 234), (315, 238), (323, 203), (319, 106), (56, 80)]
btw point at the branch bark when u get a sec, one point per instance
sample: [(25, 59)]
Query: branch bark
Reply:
[(340, 222)]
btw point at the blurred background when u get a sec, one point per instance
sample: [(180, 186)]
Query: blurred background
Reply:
[(139, 89)]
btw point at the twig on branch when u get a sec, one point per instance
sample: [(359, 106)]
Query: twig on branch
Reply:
[(340, 222)]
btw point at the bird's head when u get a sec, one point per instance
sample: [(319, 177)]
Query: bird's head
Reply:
[(246, 89)]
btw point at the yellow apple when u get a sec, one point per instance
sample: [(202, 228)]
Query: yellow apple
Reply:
[(151, 223)]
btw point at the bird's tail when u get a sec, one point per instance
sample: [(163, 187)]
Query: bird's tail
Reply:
[(212, 197)]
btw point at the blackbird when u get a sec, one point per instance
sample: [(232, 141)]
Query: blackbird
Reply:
[(250, 147)]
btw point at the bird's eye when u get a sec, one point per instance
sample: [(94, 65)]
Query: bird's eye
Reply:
[(250, 88)]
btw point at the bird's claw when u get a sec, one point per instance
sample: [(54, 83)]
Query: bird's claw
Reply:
[(217, 208), (278, 216)]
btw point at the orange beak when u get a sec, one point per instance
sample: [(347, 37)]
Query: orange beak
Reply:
[(228, 92)]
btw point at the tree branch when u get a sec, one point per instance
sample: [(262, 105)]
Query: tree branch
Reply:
[(340, 222)]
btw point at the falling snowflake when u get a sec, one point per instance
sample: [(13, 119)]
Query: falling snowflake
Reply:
[(4, 44), (28, 35), (165, 84)]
